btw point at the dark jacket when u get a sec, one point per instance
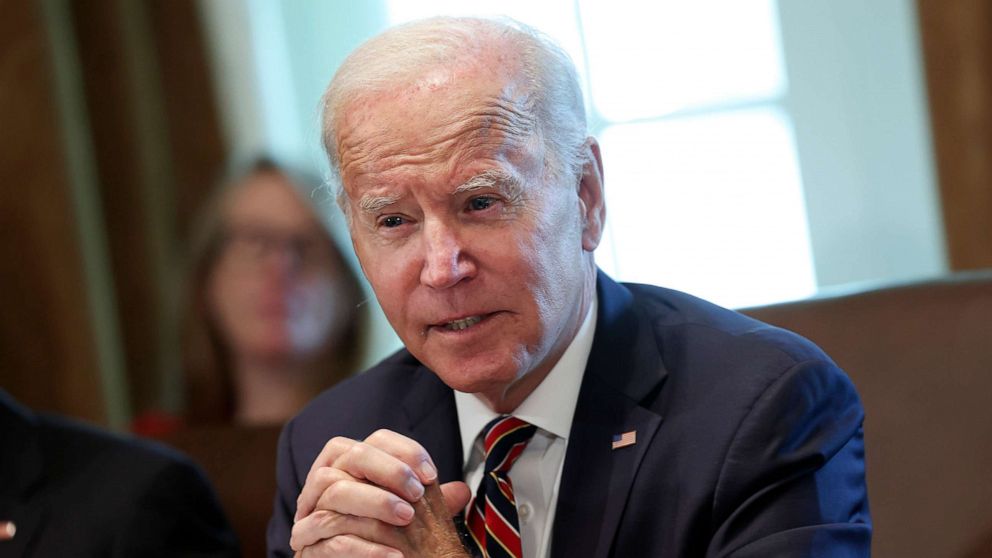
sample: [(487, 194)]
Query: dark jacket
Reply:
[(75, 491), (749, 438)]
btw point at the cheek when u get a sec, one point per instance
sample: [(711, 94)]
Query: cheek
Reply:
[(317, 297), (224, 306), (235, 296), (219, 295), (316, 314), (392, 274), (555, 258)]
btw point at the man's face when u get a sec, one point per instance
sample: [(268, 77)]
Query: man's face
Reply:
[(482, 265)]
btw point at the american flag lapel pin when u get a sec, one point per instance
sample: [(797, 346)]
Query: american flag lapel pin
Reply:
[(624, 440)]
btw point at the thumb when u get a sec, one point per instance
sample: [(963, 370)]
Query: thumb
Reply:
[(456, 496)]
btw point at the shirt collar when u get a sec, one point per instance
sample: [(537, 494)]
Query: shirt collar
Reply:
[(551, 406)]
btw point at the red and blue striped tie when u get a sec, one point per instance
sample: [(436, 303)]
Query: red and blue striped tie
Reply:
[(492, 514)]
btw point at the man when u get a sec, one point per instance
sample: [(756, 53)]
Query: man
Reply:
[(615, 420), (67, 489)]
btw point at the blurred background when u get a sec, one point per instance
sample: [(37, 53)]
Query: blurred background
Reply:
[(755, 152)]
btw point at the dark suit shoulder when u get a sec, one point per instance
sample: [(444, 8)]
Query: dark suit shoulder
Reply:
[(104, 494), (760, 444), (720, 364), (682, 313), (76, 448), (362, 400)]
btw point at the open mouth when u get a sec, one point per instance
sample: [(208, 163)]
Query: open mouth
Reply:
[(461, 324), (464, 323)]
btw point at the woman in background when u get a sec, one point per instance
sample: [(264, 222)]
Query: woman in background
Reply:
[(273, 314)]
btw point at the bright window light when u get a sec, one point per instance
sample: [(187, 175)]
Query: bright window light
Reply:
[(709, 199), (711, 205), (556, 18), (648, 59)]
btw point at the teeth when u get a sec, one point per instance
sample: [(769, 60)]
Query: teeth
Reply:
[(458, 325)]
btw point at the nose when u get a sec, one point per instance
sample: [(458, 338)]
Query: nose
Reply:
[(446, 262)]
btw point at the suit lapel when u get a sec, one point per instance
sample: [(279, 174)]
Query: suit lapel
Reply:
[(624, 369), (431, 418)]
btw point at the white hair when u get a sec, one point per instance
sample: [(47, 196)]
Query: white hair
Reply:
[(401, 54)]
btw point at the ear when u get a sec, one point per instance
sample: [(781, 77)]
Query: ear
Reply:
[(591, 200)]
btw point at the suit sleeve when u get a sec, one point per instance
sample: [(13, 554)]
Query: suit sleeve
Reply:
[(177, 514), (793, 482), (284, 506)]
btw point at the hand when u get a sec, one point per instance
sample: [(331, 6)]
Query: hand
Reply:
[(7, 530), (378, 497), (430, 533)]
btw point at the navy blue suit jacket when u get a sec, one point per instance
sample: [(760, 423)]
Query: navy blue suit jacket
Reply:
[(749, 438), (75, 491)]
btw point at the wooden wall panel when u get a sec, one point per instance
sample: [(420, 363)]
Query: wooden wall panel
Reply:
[(957, 48), (48, 358), (146, 142), (191, 115), (158, 149), (119, 157)]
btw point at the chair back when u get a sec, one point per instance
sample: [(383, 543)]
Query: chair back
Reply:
[(921, 357), (241, 463)]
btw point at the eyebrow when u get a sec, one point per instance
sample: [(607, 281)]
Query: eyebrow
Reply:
[(492, 178), (372, 204)]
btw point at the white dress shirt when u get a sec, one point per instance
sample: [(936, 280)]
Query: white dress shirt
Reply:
[(537, 471)]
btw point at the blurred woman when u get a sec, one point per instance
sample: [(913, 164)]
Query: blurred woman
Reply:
[(273, 313)]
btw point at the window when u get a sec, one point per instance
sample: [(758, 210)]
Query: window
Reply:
[(703, 186)]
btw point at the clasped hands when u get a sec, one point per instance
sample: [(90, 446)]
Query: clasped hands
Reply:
[(379, 497)]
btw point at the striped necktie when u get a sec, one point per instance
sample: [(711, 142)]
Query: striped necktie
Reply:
[(492, 514)]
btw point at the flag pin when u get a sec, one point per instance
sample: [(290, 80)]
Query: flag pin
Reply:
[(624, 440)]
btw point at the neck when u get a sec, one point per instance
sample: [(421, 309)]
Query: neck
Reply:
[(271, 392)]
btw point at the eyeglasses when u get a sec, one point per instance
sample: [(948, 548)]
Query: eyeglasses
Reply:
[(252, 246)]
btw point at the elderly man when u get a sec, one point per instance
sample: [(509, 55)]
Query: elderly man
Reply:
[(586, 418)]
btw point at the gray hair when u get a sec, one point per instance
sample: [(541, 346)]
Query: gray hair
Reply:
[(402, 53)]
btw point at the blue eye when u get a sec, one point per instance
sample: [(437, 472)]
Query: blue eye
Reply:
[(481, 203), (392, 221)]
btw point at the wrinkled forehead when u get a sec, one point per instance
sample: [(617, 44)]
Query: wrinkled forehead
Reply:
[(444, 114)]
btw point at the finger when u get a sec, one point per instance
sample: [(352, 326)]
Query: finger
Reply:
[(330, 452), (367, 462), (349, 545), (323, 524), (406, 450), (7, 530), (366, 500), (456, 496), (318, 481)]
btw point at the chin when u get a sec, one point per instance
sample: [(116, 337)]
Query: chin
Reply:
[(482, 379), (273, 349)]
